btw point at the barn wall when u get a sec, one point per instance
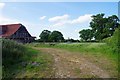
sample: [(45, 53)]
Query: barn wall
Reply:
[(22, 35)]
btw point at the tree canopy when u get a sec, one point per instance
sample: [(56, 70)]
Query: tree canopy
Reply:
[(101, 27), (44, 36), (48, 36), (86, 34), (56, 36)]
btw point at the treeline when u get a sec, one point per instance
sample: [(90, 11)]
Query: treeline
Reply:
[(101, 28), (55, 36), (48, 36)]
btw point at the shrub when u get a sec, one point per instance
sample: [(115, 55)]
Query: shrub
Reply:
[(12, 52), (114, 41)]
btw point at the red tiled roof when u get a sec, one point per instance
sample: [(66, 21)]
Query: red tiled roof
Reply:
[(10, 29)]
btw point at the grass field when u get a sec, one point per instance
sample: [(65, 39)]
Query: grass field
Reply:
[(92, 48)]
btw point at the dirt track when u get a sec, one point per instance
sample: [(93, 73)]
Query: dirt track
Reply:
[(72, 65)]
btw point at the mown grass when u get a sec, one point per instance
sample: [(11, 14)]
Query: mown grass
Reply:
[(100, 54), (20, 61)]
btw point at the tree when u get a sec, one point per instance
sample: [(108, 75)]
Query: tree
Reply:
[(86, 34), (56, 36), (98, 24), (103, 27), (44, 36), (112, 24)]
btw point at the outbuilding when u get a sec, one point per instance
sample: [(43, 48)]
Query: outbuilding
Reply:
[(16, 32)]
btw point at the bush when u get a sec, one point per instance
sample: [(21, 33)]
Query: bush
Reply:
[(114, 41), (12, 52), (12, 55)]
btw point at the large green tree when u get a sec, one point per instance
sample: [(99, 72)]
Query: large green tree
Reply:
[(44, 36), (86, 34), (98, 24), (56, 36), (112, 24), (103, 27)]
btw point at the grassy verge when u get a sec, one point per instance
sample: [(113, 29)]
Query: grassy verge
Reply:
[(21, 61), (37, 65)]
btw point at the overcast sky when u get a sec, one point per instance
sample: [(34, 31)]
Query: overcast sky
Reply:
[(66, 17)]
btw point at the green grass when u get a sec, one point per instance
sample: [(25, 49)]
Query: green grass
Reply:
[(93, 48), (18, 61), (44, 69)]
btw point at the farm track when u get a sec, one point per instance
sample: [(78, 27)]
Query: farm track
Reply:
[(72, 65)]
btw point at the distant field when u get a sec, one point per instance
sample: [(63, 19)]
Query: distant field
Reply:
[(93, 48)]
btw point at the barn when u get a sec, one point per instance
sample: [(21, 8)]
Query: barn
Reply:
[(16, 32)]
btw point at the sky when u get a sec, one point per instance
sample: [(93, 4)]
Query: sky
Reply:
[(66, 17), (59, 0)]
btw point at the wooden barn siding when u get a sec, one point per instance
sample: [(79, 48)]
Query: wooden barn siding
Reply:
[(22, 35)]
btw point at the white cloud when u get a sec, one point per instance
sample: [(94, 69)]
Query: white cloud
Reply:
[(5, 20), (58, 18), (43, 17), (58, 24), (65, 20), (82, 19), (62, 23), (2, 5)]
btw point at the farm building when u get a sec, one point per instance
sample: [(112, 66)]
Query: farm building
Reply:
[(16, 32)]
